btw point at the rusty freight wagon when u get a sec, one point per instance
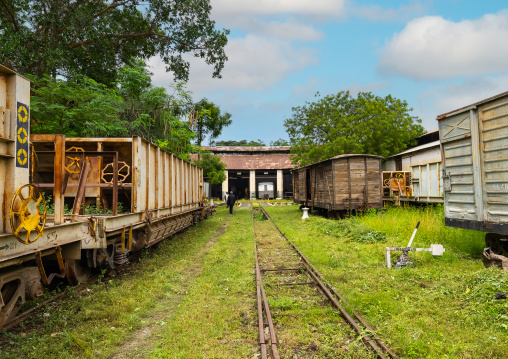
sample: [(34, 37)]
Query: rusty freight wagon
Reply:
[(474, 144), (69, 205), (340, 184)]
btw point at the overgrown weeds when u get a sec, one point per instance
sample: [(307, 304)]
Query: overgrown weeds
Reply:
[(443, 307), (351, 230)]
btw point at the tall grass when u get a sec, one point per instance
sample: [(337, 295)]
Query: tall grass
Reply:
[(441, 307)]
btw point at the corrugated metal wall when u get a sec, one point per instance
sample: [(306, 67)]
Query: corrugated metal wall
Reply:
[(494, 147)]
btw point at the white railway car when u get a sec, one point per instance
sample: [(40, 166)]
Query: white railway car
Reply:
[(415, 174), (474, 141)]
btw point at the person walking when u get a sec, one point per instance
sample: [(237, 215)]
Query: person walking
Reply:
[(231, 202)]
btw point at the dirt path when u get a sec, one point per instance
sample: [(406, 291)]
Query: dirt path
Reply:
[(140, 344)]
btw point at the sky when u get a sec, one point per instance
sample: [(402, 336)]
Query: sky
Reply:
[(438, 55)]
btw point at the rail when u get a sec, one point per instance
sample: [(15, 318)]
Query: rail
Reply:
[(299, 264)]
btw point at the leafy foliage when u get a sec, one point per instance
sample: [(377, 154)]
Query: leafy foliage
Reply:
[(96, 38), (213, 168), (152, 113), (280, 142), (210, 121), (340, 124), (79, 107), (258, 143)]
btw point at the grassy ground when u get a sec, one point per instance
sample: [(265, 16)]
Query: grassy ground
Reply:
[(306, 325), (442, 308), (191, 298), (194, 296)]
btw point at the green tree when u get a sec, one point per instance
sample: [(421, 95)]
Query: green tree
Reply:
[(280, 142), (213, 168), (79, 107), (153, 113), (258, 143), (340, 124), (210, 121), (96, 38)]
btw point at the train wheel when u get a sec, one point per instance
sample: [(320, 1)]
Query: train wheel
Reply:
[(498, 243), (10, 294), (16, 285), (76, 271)]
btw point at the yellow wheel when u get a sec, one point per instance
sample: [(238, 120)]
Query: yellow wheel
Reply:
[(124, 171), (74, 167), (28, 214)]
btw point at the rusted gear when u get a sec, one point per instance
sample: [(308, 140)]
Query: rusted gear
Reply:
[(124, 171), (28, 212), (74, 161)]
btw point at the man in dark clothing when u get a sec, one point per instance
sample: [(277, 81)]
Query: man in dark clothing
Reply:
[(231, 202)]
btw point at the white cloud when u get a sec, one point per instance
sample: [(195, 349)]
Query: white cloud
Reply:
[(378, 13), (223, 8), (255, 63), (452, 96), (431, 47), (291, 30)]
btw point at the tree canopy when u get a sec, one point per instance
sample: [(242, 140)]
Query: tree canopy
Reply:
[(81, 107), (340, 124), (77, 108), (213, 168), (280, 142), (210, 121), (96, 38)]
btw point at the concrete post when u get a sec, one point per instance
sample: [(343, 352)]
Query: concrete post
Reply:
[(252, 184), (280, 190), (225, 186)]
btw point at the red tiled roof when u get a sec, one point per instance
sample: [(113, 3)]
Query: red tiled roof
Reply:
[(255, 162)]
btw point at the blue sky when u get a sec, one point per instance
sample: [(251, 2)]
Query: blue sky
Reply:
[(436, 55)]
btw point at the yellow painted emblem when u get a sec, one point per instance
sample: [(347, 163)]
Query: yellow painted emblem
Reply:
[(22, 114), (22, 157), (22, 135)]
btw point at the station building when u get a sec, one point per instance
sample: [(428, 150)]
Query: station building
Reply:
[(254, 172)]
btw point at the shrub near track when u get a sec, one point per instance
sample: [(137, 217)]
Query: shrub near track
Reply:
[(444, 307)]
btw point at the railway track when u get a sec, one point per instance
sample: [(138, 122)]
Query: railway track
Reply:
[(300, 314)]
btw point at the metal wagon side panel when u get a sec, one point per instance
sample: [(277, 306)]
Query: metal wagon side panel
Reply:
[(493, 118), (461, 179)]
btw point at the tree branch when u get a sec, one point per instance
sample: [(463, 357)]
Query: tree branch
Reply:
[(11, 14)]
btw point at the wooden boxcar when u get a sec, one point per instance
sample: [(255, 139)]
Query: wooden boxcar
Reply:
[(340, 184), (474, 143)]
